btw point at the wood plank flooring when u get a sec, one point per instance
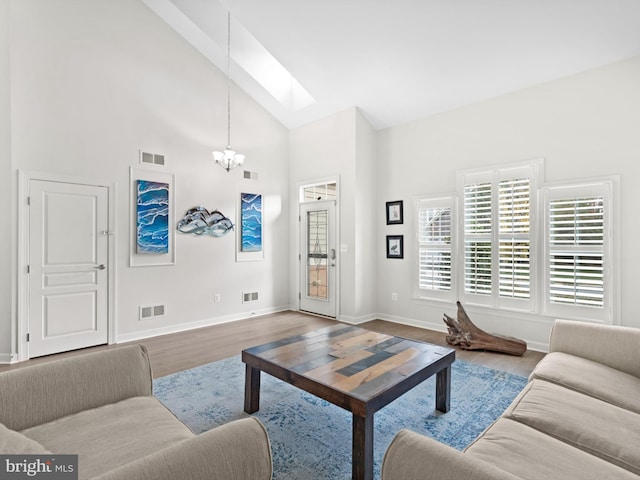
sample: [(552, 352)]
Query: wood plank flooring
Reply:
[(180, 351)]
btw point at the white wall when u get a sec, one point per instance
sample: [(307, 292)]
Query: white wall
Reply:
[(91, 82), (366, 217), (585, 125), (95, 81), (340, 146), (6, 185)]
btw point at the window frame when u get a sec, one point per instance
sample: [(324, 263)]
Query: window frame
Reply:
[(533, 170), (540, 194), (421, 202), (607, 188)]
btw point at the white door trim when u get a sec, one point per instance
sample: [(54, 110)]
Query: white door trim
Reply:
[(24, 178)]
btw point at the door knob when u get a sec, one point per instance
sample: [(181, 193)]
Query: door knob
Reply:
[(100, 267)]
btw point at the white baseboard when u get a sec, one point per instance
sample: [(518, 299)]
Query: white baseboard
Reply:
[(6, 358), (141, 335), (436, 326), (357, 320)]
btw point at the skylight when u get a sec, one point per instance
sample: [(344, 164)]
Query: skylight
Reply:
[(201, 24)]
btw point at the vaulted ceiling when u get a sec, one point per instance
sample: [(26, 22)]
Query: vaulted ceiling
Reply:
[(404, 59)]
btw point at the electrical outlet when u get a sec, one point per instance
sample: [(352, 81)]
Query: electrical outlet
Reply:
[(394, 296), (217, 298)]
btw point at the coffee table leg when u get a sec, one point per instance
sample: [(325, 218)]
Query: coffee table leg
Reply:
[(362, 455), (443, 389), (251, 389)]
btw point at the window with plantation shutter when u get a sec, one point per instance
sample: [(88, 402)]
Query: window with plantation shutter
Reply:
[(497, 235), (579, 250), (434, 239), (506, 242)]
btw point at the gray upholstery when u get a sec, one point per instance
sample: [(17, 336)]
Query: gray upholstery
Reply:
[(41, 393), (12, 442), (577, 418), (415, 457), (237, 450), (580, 421), (100, 406), (530, 454), (591, 378)]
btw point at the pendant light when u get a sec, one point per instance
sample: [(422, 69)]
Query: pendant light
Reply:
[(228, 159)]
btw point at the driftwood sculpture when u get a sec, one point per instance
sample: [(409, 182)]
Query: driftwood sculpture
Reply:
[(464, 334)]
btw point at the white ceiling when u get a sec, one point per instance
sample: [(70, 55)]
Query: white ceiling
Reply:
[(401, 60)]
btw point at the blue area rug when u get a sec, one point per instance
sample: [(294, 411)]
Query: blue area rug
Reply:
[(311, 438)]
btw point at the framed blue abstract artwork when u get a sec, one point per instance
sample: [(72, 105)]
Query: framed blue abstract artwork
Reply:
[(152, 214), (251, 222), (152, 217), (250, 233)]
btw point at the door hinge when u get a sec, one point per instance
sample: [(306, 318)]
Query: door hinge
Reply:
[(28, 269), (28, 200), (28, 337), (299, 296), (299, 257)]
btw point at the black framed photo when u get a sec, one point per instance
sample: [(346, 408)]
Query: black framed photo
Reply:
[(395, 246), (394, 213)]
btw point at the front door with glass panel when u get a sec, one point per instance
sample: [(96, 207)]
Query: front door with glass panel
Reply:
[(318, 258)]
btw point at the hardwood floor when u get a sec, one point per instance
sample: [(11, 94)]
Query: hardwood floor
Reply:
[(180, 351)]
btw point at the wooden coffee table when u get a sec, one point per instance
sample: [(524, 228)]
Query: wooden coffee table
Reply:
[(356, 369)]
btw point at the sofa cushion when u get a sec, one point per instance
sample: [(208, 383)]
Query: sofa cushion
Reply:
[(590, 378), (599, 428), (53, 390), (113, 435), (12, 442), (533, 455)]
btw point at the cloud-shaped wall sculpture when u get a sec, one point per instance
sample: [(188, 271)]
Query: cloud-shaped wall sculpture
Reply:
[(199, 221)]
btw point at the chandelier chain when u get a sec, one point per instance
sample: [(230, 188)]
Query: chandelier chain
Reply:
[(228, 158), (229, 78)]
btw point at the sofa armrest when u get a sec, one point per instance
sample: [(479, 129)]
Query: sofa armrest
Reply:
[(44, 392), (412, 456), (238, 450), (615, 346)]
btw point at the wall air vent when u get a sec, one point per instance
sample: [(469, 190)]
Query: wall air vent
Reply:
[(155, 311), (249, 297), (250, 175), (147, 158)]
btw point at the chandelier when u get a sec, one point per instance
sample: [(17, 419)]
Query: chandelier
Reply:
[(228, 159)]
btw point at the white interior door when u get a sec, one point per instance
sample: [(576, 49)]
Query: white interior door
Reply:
[(318, 258), (68, 258)]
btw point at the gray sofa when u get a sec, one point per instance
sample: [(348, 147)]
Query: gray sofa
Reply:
[(577, 418), (100, 406)]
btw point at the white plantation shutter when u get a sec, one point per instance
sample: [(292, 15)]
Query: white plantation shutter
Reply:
[(434, 237), (576, 245), (514, 213), (478, 238)]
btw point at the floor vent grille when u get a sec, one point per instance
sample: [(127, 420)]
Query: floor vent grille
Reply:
[(154, 311), (248, 297)]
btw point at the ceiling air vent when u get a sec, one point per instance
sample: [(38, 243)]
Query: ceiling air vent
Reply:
[(250, 175), (147, 158)]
